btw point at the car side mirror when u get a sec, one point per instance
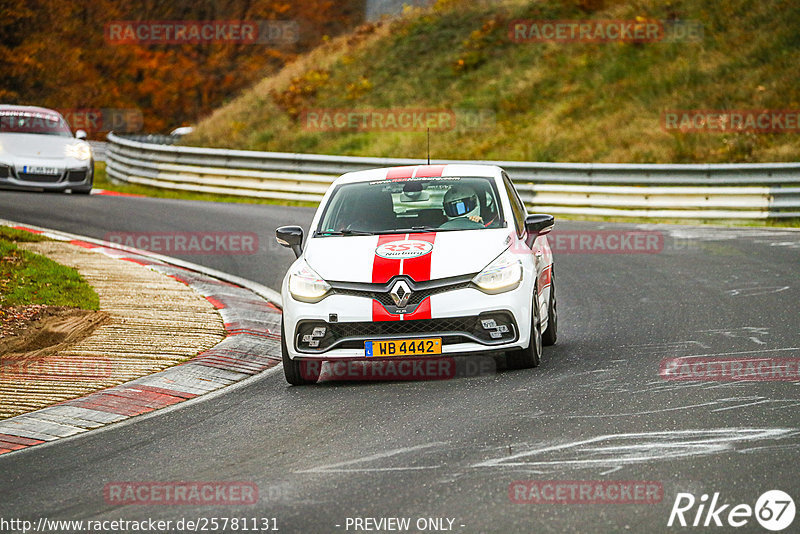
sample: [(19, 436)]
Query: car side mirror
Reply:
[(80, 134), (539, 224), (292, 237)]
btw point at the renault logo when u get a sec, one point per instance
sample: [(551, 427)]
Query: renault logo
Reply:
[(400, 293)]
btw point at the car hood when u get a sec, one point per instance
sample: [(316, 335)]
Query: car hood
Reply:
[(35, 145), (422, 256)]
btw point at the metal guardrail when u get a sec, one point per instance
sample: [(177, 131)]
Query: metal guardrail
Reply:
[(99, 150), (694, 191)]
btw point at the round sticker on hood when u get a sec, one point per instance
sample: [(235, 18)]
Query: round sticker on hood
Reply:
[(401, 250)]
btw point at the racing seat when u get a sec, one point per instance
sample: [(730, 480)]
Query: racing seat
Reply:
[(376, 207), (430, 217)]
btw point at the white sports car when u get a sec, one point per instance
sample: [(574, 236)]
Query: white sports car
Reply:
[(37, 150), (418, 262)]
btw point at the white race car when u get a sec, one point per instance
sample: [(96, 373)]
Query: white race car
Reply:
[(37, 150), (418, 262)]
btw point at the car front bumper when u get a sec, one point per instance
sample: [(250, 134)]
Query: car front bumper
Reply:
[(70, 174), (461, 318)]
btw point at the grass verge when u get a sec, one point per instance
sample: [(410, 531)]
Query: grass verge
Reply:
[(27, 278), (534, 101)]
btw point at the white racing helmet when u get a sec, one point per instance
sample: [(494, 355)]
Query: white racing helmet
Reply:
[(461, 201)]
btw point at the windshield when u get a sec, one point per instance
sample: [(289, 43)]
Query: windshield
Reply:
[(33, 122), (415, 204)]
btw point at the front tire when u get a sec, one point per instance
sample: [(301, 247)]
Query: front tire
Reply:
[(531, 356), (295, 372), (550, 335)]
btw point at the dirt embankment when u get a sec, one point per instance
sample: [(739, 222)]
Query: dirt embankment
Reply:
[(40, 331)]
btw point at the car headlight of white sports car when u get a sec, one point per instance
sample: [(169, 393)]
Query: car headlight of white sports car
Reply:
[(503, 274), (80, 151), (306, 285)]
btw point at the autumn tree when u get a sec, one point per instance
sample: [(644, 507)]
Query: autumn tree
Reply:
[(54, 53)]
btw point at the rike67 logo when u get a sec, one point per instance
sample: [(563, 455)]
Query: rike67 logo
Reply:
[(774, 510)]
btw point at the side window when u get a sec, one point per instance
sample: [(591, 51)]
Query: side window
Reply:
[(516, 205)]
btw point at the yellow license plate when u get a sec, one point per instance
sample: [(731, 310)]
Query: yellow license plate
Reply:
[(403, 347)]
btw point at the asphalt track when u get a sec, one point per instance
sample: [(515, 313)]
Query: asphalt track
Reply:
[(596, 409)]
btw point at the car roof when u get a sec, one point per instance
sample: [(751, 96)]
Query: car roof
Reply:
[(30, 109), (410, 171)]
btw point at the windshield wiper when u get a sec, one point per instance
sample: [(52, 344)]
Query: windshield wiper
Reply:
[(342, 232), (414, 230)]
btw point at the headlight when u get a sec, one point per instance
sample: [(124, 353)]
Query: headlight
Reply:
[(306, 285), (503, 274), (81, 151)]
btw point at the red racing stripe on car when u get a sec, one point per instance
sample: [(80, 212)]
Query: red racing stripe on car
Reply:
[(384, 269), (414, 171), (395, 173), (423, 311), (429, 171), (379, 313), (545, 278), (419, 268)]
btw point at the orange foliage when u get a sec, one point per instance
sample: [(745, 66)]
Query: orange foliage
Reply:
[(55, 54)]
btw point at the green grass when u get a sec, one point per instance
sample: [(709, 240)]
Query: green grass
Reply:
[(571, 102), (27, 278), (20, 236), (567, 102)]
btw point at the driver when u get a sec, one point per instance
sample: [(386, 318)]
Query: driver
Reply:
[(462, 201)]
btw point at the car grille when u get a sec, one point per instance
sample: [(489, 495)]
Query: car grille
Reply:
[(40, 178), (76, 176), (417, 296), (419, 290), (319, 336), (5, 171)]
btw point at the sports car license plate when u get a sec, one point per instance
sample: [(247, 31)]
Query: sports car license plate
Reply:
[(404, 347), (34, 169)]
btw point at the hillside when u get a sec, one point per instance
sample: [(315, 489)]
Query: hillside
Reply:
[(538, 101)]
